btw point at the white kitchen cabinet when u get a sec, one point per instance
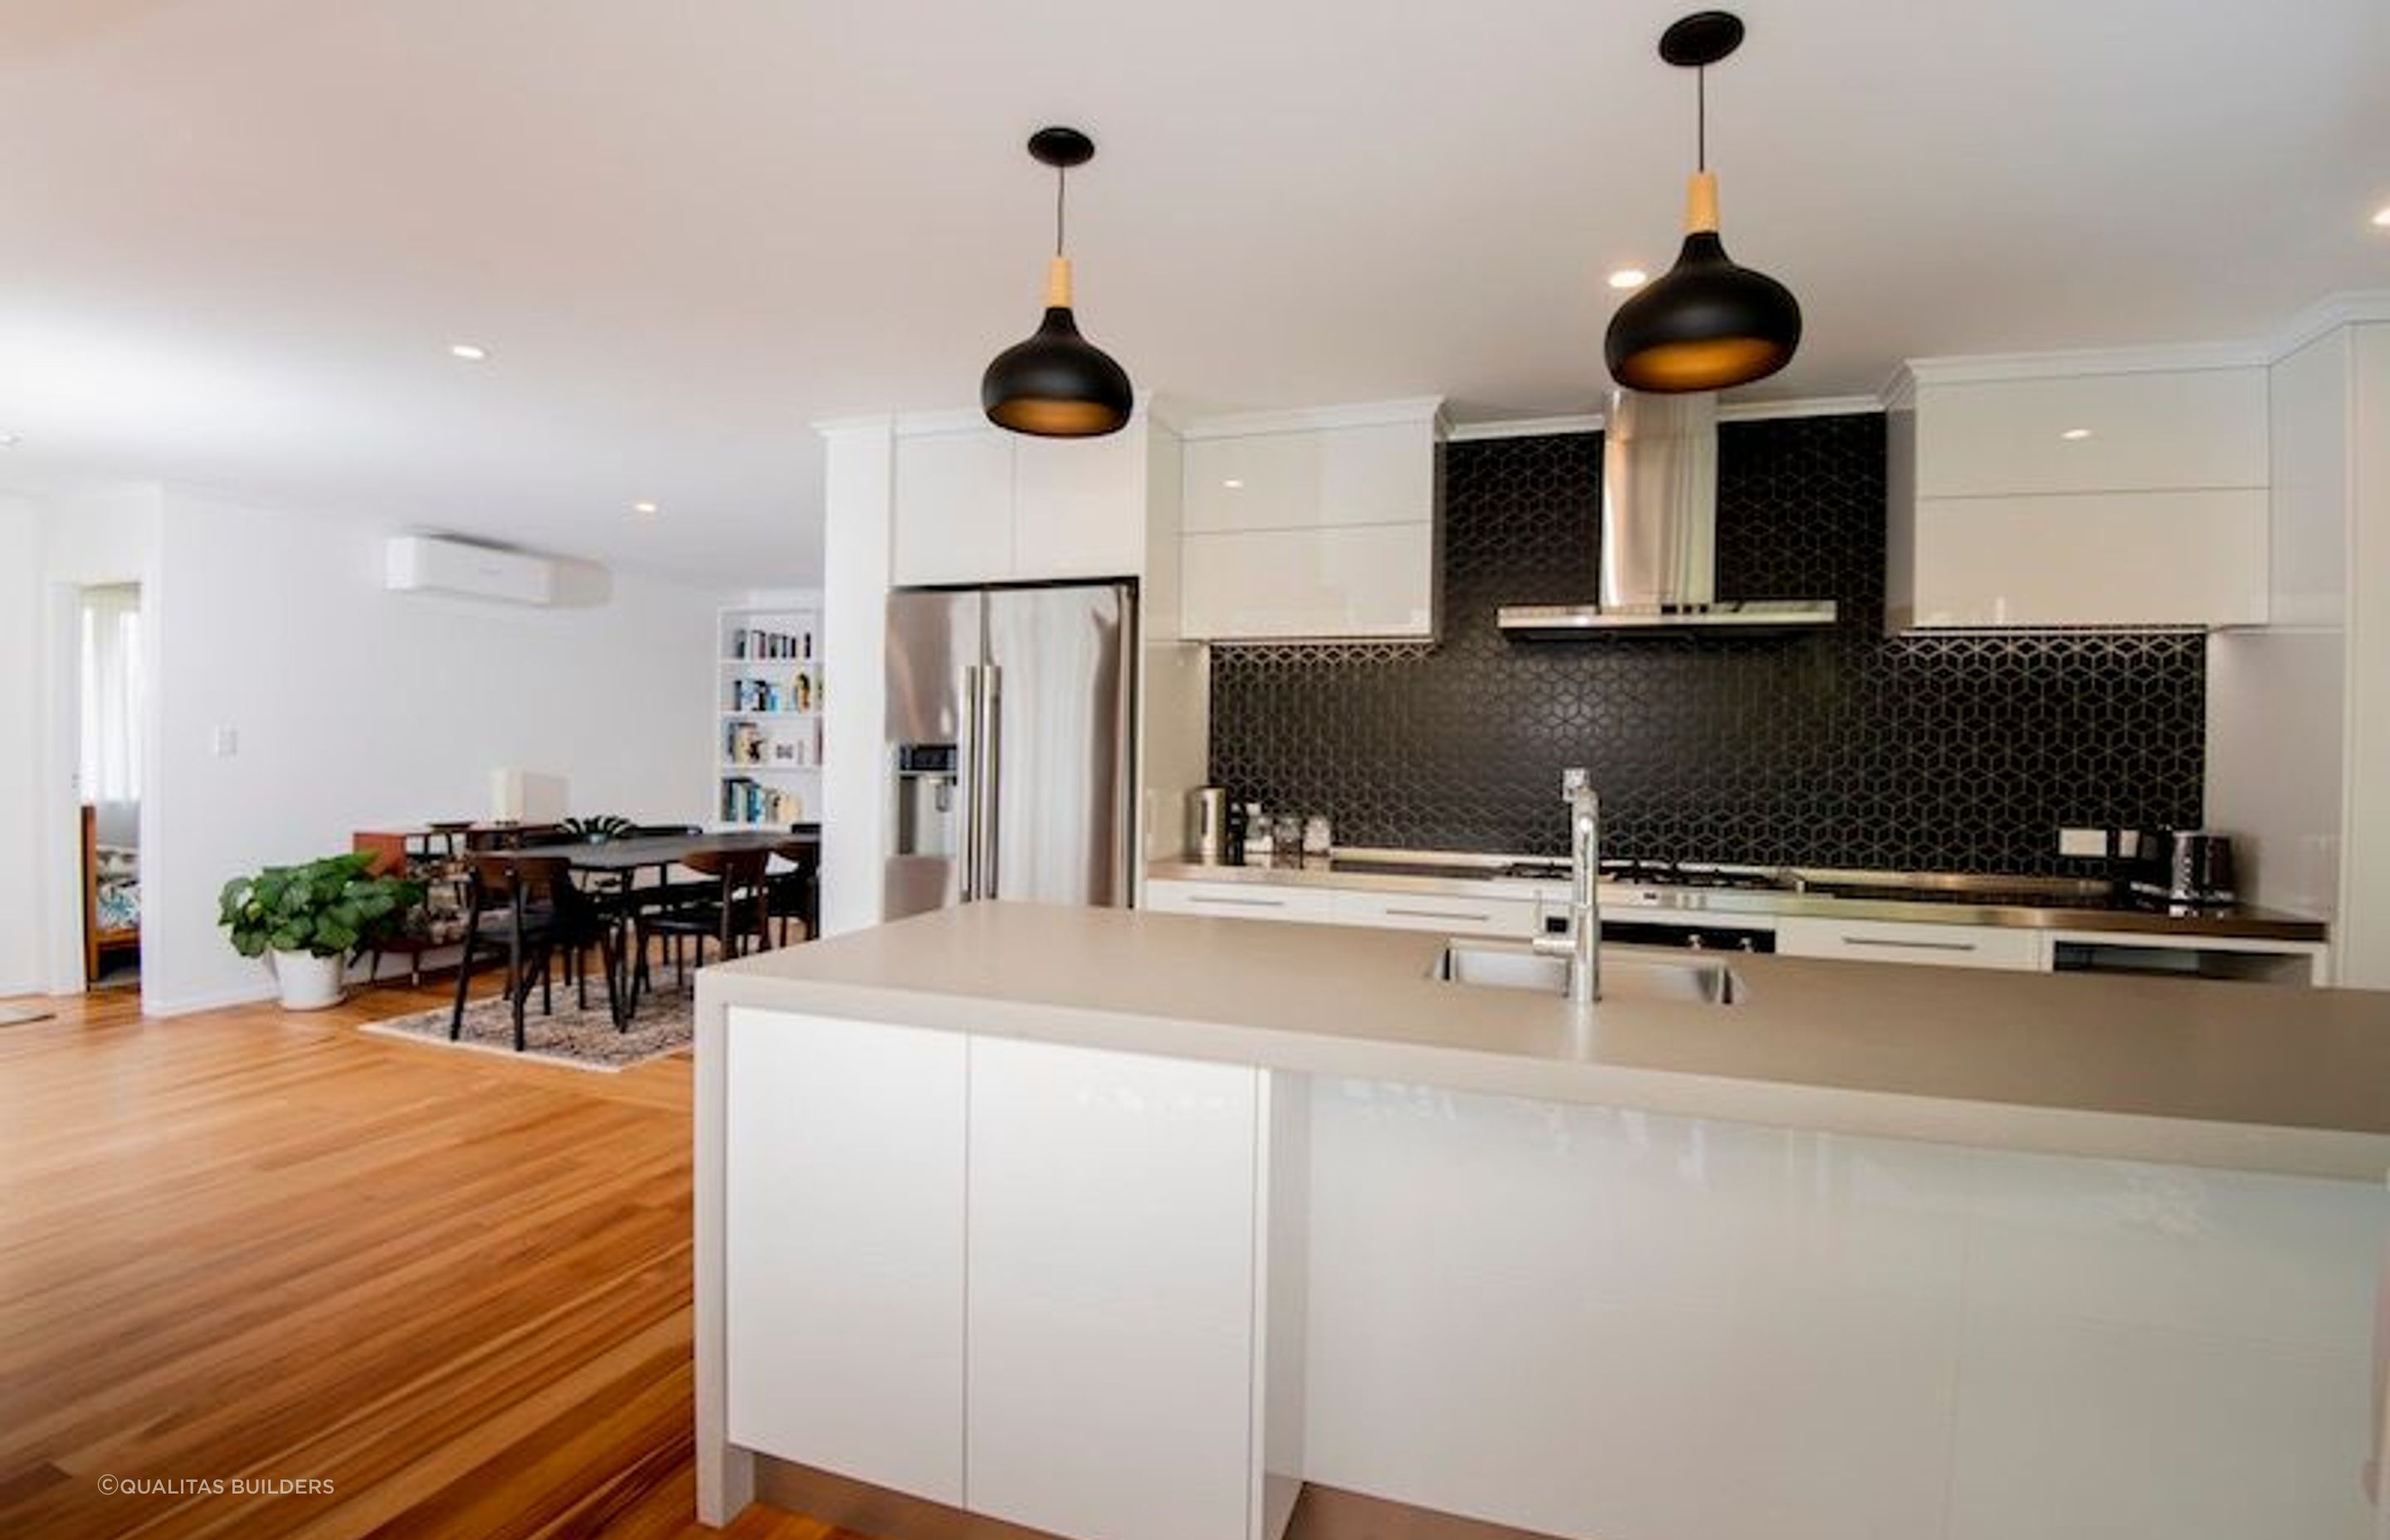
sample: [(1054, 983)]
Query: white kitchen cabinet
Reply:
[(1372, 579), (1079, 505), (1114, 1301), (2179, 429), (844, 1234), (2122, 559), (1241, 900), (2122, 498), (1469, 916), (979, 504), (1372, 473), (1309, 527), (1907, 942), (952, 518)]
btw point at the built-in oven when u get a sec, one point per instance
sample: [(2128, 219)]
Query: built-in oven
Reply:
[(1696, 937)]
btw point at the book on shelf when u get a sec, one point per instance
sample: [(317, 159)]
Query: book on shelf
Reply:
[(798, 691), (785, 746), (757, 642), (751, 802)]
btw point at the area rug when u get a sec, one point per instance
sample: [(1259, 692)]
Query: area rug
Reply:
[(584, 1039)]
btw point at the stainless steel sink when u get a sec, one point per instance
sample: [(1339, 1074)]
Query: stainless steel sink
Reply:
[(1493, 965)]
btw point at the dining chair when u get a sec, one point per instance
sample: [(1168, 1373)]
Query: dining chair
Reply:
[(526, 909), (737, 909), (796, 893)]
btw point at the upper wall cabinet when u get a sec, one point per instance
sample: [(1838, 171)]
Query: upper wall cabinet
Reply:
[(974, 503), (1314, 525), (2134, 498)]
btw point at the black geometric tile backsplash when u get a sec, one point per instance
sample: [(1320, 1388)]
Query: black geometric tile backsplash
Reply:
[(1838, 748)]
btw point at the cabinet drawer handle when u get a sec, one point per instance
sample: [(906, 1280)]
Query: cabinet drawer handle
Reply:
[(1910, 945), (1393, 910), (1240, 902)]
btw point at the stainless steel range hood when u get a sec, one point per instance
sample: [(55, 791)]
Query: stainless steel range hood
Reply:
[(1658, 566)]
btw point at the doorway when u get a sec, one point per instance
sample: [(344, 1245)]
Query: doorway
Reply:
[(110, 690)]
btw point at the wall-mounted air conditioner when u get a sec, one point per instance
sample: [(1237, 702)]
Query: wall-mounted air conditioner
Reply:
[(428, 564)]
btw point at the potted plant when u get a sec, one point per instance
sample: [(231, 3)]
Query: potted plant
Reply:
[(313, 919)]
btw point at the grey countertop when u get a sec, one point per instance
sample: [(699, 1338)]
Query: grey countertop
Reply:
[(2059, 907), (2249, 1077)]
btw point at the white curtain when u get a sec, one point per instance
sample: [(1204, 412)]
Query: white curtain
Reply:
[(111, 694)]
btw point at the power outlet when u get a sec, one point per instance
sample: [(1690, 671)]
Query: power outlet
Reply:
[(2092, 843)]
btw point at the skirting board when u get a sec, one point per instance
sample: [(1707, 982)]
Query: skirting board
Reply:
[(1323, 1513)]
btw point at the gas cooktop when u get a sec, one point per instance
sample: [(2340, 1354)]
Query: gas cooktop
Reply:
[(1655, 874)]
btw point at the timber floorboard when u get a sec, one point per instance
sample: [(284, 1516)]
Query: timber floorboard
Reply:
[(247, 1245)]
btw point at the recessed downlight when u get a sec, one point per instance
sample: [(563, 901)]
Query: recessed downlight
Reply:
[(1629, 278), (643, 507), (2075, 435), (2382, 218), (1234, 483), (471, 352), (7, 441)]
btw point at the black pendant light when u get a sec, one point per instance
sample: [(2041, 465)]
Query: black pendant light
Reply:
[(1057, 385), (1706, 324)]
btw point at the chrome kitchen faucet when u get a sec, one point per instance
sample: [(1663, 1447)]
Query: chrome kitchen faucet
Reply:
[(1583, 944)]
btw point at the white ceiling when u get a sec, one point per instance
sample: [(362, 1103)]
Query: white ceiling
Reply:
[(237, 235)]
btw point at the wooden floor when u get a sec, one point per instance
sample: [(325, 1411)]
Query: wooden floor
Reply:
[(253, 1246)]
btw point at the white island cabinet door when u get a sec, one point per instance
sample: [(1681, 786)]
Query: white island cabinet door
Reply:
[(1112, 1309), (845, 1247)]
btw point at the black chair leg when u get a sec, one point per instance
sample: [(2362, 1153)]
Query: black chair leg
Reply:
[(613, 1001), (464, 978)]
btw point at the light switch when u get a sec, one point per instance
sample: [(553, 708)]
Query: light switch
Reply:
[(225, 741)]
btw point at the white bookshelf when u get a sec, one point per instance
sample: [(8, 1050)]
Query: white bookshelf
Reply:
[(767, 722)]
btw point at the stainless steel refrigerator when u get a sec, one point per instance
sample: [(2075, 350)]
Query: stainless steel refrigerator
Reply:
[(1009, 745)]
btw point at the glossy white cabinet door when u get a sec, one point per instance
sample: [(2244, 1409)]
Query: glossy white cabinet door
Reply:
[(953, 508), (1381, 473), (2106, 558), (1462, 917), (1079, 505), (1361, 580), (1112, 1292), (844, 1232), (1901, 942), (1240, 900), (2159, 430)]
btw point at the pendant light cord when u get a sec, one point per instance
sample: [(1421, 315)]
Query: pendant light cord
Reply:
[(1702, 118), (1061, 181)]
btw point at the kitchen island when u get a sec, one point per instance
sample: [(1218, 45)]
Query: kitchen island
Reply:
[(1111, 1223)]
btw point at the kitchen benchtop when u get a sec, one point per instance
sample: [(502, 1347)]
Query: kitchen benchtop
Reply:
[(1411, 872), (2254, 1077)]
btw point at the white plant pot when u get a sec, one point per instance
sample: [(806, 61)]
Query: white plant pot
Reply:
[(308, 982)]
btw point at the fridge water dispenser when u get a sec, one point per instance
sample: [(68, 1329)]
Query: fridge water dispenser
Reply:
[(928, 800)]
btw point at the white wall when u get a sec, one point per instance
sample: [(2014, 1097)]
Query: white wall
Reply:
[(2362, 932), (859, 489), (356, 708), (21, 743)]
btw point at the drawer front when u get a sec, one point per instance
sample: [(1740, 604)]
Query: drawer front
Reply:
[(1460, 917), (1897, 942), (1240, 901)]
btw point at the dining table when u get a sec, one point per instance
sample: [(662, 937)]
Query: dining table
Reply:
[(621, 860)]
